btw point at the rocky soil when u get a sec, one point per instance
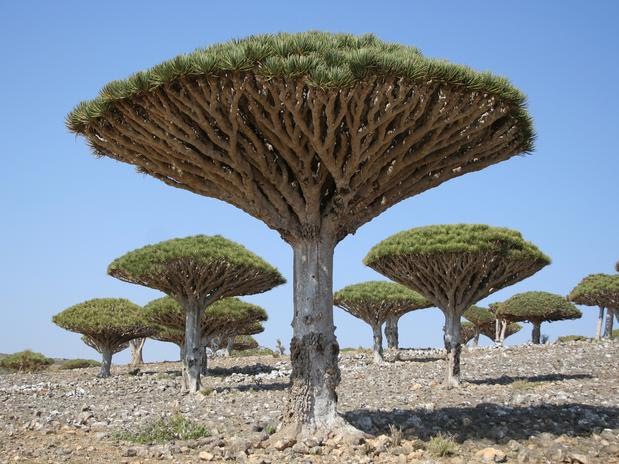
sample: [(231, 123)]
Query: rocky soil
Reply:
[(530, 404)]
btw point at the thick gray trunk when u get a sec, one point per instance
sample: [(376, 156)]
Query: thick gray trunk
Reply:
[(229, 344), (391, 332), (536, 333), (106, 363), (313, 349), (598, 331), (608, 327), (453, 347), (136, 351), (497, 330), (503, 331), (193, 349), (204, 361), (378, 343)]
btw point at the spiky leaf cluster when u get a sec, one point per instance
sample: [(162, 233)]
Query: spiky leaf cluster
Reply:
[(226, 317), (479, 316), (456, 265), (537, 307), (597, 290), (307, 131), (322, 60), (105, 322), (202, 268), (374, 301)]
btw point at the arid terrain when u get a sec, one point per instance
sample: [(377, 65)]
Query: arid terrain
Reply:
[(537, 404)]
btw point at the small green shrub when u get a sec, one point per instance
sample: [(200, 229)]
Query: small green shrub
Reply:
[(396, 435), (615, 333), (79, 364), (206, 391), (270, 429), (26, 361), (523, 385), (254, 352), (572, 338), (442, 445), (163, 430)]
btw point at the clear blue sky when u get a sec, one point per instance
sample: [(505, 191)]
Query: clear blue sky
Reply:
[(66, 215)]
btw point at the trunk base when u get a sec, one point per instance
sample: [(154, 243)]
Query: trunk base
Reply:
[(337, 427)]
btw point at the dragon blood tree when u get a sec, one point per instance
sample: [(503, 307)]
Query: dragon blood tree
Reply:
[(600, 290), (480, 317), (537, 307), (314, 134), (196, 272), (137, 345), (455, 266), (507, 330), (373, 302), (106, 324), (244, 343)]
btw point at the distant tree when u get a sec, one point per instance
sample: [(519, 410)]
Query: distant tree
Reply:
[(196, 272), (455, 266), (374, 301), (279, 347), (480, 317), (106, 324), (468, 331), (601, 290), (508, 329), (137, 345), (244, 343), (224, 318), (314, 134), (537, 307)]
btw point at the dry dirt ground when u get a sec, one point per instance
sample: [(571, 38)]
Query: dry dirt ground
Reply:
[(536, 404)]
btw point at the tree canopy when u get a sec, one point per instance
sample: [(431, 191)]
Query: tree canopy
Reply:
[(210, 120), (373, 301), (201, 266), (476, 259), (116, 320), (597, 290), (537, 307), (479, 316)]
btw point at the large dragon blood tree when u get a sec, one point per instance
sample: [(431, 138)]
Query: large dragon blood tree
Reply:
[(196, 271), (537, 307), (107, 325), (373, 302), (601, 290), (455, 266), (314, 134)]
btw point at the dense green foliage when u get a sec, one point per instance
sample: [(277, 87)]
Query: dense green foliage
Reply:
[(320, 59), (597, 290), (537, 306), (244, 342), (479, 316), (101, 315), (166, 430), (221, 316), (25, 361), (457, 238), (79, 364), (202, 249), (381, 291)]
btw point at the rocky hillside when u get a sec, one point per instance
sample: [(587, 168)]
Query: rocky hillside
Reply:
[(553, 403)]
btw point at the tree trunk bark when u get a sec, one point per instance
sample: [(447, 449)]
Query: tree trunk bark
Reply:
[(204, 342), (229, 344), (106, 363), (193, 349), (476, 339), (536, 333), (312, 401), (136, 351), (391, 332), (504, 325), (598, 331), (610, 318), (378, 344), (453, 347), (497, 331)]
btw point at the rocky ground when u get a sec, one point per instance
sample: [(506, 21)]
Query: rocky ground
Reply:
[(535, 404)]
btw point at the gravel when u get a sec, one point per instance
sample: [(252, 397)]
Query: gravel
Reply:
[(535, 404)]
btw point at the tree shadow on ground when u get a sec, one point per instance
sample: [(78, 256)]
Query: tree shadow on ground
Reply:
[(507, 379), (252, 369), (489, 421), (256, 387)]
